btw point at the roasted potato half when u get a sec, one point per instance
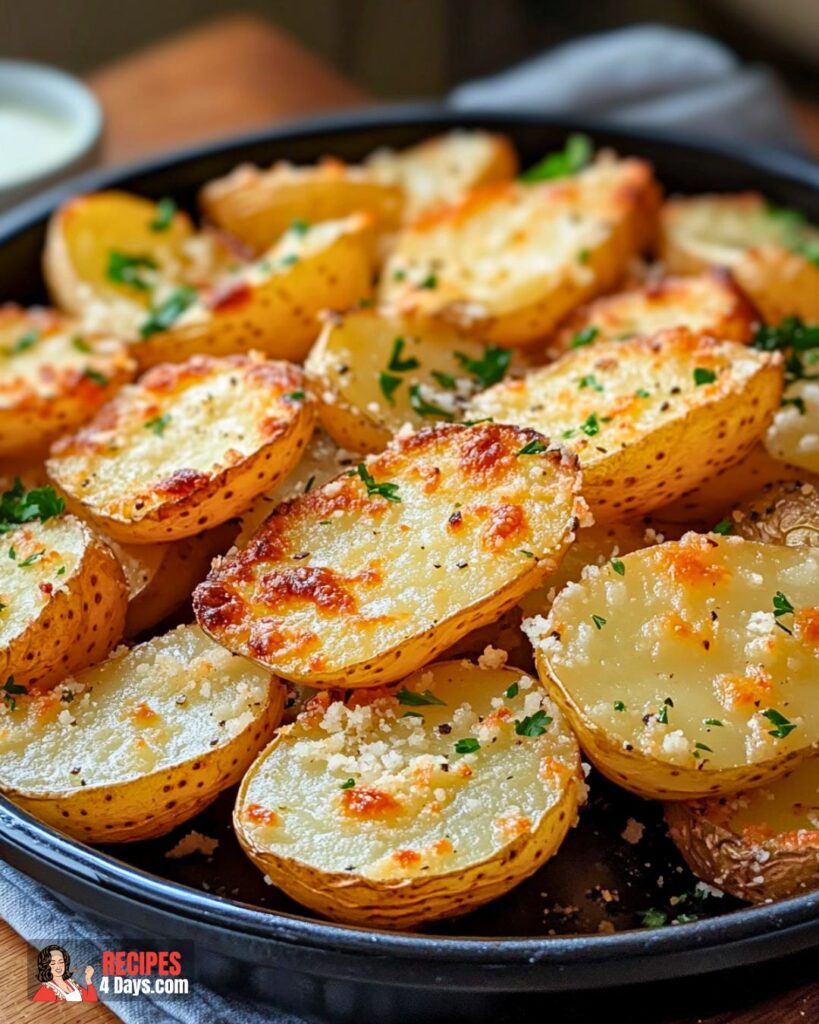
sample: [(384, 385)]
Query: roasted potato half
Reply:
[(649, 418), (707, 303), (258, 206), (63, 600), (373, 574), (442, 168), (161, 577), (793, 437), (508, 261), (53, 377), (186, 447), (140, 743), (375, 372), (322, 461), (783, 512), (692, 673), (482, 784), (272, 304), (758, 845), (766, 247)]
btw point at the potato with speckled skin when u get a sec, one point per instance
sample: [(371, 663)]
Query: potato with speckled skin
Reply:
[(508, 261), (708, 303), (63, 601), (758, 845), (53, 377), (138, 744), (686, 676), (765, 247), (783, 512), (374, 372), (649, 418), (376, 572), (185, 448), (257, 206), (271, 304), (439, 833)]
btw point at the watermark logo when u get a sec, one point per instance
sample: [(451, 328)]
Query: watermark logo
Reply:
[(57, 984)]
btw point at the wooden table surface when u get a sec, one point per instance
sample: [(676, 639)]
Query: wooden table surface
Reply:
[(230, 75)]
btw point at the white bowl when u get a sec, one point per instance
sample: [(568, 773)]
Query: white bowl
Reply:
[(50, 128)]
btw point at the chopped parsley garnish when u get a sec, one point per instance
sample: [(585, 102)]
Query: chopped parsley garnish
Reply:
[(20, 506), (652, 918), (808, 250), (468, 745), (590, 425), (424, 408), (782, 605), (533, 725), (590, 381), (165, 210), (396, 363), (299, 226), (511, 691), (585, 337), (10, 691), (388, 384), (713, 721), (412, 714), (662, 714), (642, 393), (702, 375), (583, 256), (599, 621), (723, 527), (61, 571), (385, 490), (429, 282), (782, 726), (791, 333), (95, 377), (80, 344), (158, 424), (166, 314), (534, 447), (290, 260), (618, 567), (797, 402), (702, 746), (416, 700), (294, 396), (126, 269), (527, 554), (685, 918), (348, 784), (35, 557), (574, 156), (25, 341), (619, 705), (446, 380), (12, 552), (491, 368)]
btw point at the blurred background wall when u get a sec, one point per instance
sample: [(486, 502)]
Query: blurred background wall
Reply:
[(404, 48)]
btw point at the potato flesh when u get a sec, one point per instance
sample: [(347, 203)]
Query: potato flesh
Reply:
[(784, 512), (213, 416), (794, 436), (54, 551), (337, 577), (659, 616), (130, 717), (786, 807), (447, 817)]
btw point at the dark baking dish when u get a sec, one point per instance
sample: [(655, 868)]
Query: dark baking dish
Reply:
[(543, 937)]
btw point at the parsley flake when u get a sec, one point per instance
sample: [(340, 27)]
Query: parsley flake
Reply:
[(599, 621), (424, 408), (574, 156), (590, 381), (429, 282), (490, 369), (348, 784), (723, 527), (534, 447), (20, 506), (713, 721), (533, 725), (662, 714), (777, 719), (702, 375), (165, 210), (511, 691), (618, 567), (123, 268), (468, 745), (25, 341), (35, 557), (590, 425), (388, 384), (10, 691), (396, 363), (158, 424), (446, 380), (385, 490), (652, 918), (165, 315), (585, 337), (619, 705), (414, 699), (95, 377)]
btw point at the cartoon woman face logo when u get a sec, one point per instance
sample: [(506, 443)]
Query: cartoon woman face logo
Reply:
[(56, 984)]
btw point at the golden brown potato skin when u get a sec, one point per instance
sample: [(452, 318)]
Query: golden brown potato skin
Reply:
[(782, 512)]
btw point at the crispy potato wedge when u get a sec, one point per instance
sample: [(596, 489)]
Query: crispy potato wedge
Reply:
[(271, 304), (375, 573), (650, 417), (783, 512), (709, 502), (53, 377), (186, 447), (322, 461), (161, 577), (793, 437), (676, 675), (708, 303), (441, 169), (510, 260), (140, 743), (63, 601), (758, 845), (764, 246), (375, 372), (258, 206), (483, 784)]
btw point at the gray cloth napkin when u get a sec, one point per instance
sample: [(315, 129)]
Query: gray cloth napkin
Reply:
[(649, 76)]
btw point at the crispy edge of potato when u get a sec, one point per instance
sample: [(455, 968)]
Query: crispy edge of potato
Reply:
[(140, 808), (756, 870), (94, 600), (780, 282)]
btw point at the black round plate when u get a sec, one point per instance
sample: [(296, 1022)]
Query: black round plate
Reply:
[(552, 933)]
